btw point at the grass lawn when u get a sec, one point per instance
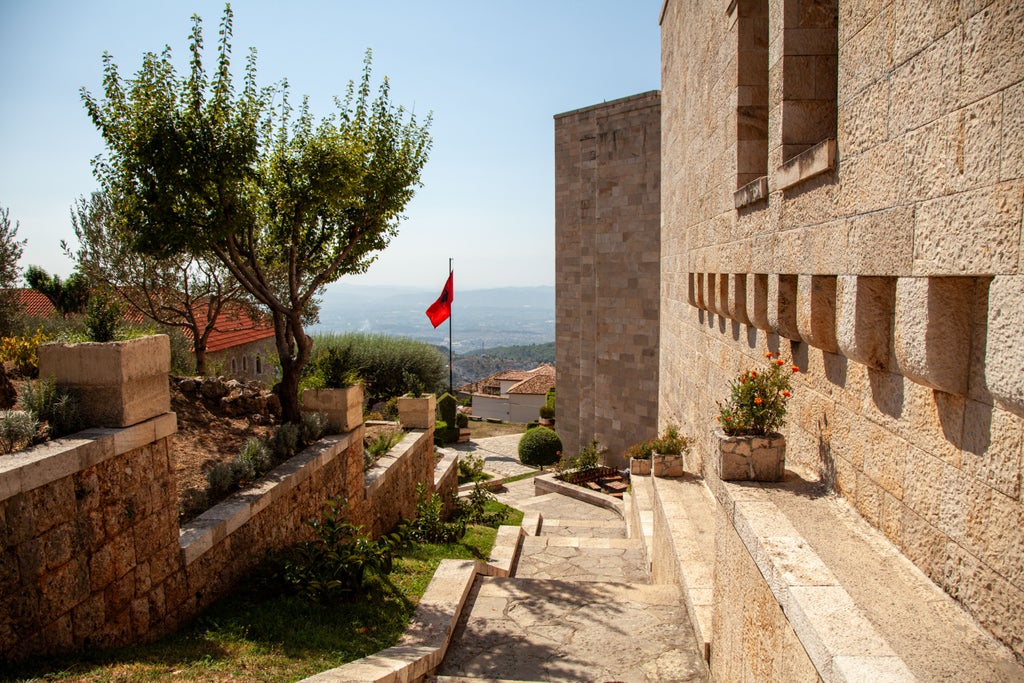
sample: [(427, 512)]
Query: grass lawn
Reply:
[(254, 635), (482, 429)]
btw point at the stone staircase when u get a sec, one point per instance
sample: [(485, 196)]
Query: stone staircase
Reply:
[(579, 606)]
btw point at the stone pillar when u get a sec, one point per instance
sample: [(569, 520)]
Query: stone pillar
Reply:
[(816, 311), (933, 331), (864, 314)]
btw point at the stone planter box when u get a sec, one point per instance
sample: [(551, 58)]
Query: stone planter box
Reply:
[(343, 407), (750, 458), (118, 384), (641, 466), (417, 413), (667, 465), (464, 435)]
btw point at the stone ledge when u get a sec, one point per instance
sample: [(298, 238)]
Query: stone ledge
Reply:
[(201, 534), (374, 477), (425, 642), (751, 193), (812, 162), (37, 466), (548, 483), (822, 614)]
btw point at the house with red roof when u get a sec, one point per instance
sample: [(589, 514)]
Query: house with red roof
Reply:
[(513, 395), (239, 346)]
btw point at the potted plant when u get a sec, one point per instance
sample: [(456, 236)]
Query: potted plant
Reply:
[(667, 453), (335, 390), (639, 455), (416, 411), (750, 447)]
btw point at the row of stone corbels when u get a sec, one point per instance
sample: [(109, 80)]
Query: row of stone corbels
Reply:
[(921, 327)]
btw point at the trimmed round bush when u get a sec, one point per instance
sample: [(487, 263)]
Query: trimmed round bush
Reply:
[(540, 447)]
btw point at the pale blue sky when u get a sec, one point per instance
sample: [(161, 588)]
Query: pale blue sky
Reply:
[(493, 74)]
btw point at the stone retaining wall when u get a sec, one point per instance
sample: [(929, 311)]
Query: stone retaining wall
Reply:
[(91, 554)]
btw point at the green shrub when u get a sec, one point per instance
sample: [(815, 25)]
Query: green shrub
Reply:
[(256, 457), (547, 412), (461, 420), (473, 509), (446, 408), (220, 480), (540, 447), (285, 442), (388, 365), (57, 407), (332, 567), (102, 316), (671, 442), (17, 430), (471, 468), (314, 426), (641, 450), (385, 441), (429, 524), (443, 434)]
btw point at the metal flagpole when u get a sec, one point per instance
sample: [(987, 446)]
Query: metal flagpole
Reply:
[(450, 371)]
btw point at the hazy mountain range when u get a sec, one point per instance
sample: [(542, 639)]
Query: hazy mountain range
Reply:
[(481, 318)]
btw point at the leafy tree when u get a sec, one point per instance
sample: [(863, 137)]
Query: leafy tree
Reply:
[(181, 290), (10, 253), (286, 203), (67, 296)]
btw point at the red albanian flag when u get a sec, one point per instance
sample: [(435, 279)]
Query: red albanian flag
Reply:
[(441, 309)]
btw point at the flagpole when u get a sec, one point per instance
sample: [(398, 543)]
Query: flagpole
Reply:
[(450, 370)]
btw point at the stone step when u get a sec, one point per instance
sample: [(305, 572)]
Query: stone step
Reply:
[(556, 630), (583, 528), (581, 559), (467, 679)]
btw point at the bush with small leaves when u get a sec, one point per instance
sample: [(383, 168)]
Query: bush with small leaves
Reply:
[(429, 524), (314, 426), (285, 442), (17, 430), (56, 406), (220, 479), (540, 447)]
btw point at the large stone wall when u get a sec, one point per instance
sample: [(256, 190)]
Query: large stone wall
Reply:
[(886, 260), (606, 273)]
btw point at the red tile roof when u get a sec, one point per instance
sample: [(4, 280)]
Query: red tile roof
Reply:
[(538, 384), (234, 327)]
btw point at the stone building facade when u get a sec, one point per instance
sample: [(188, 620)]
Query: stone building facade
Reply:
[(606, 265), (843, 182)]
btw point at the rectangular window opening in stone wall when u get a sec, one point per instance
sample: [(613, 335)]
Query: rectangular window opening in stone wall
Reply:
[(809, 89), (751, 101)]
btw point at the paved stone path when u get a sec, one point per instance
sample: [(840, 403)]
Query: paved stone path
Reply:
[(500, 454), (579, 607)]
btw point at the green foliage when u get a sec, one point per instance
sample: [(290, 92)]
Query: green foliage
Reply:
[(285, 443), (287, 202), (757, 401), (10, 253), (332, 369), (478, 508), (446, 407), (461, 420), (390, 366), (443, 434), (23, 351), (183, 292), (588, 459), (540, 447), (549, 400), (547, 412), (220, 480), (641, 450), (17, 430), (671, 442), (332, 567), (48, 403), (314, 426), (67, 296), (102, 316), (471, 468), (384, 442), (430, 525)]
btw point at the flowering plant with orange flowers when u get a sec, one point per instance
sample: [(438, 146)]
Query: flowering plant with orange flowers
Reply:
[(757, 404)]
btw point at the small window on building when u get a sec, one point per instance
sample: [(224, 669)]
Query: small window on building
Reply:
[(751, 91), (234, 366), (810, 66), (259, 365), (245, 363)]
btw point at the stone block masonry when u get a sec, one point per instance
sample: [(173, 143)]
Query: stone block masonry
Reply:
[(889, 269), (606, 274)]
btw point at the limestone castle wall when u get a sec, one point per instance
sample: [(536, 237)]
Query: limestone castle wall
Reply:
[(606, 273), (843, 183)]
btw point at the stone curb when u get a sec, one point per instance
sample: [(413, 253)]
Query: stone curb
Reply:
[(839, 639), (548, 483), (425, 642)]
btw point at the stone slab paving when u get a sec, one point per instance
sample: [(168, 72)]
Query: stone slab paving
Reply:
[(551, 630), (579, 607), (500, 454)]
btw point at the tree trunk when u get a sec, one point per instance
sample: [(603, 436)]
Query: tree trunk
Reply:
[(200, 355), (293, 350)]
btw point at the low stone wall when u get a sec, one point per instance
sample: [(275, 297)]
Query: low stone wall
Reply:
[(748, 621), (89, 532), (92, 555), (390, 485)]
